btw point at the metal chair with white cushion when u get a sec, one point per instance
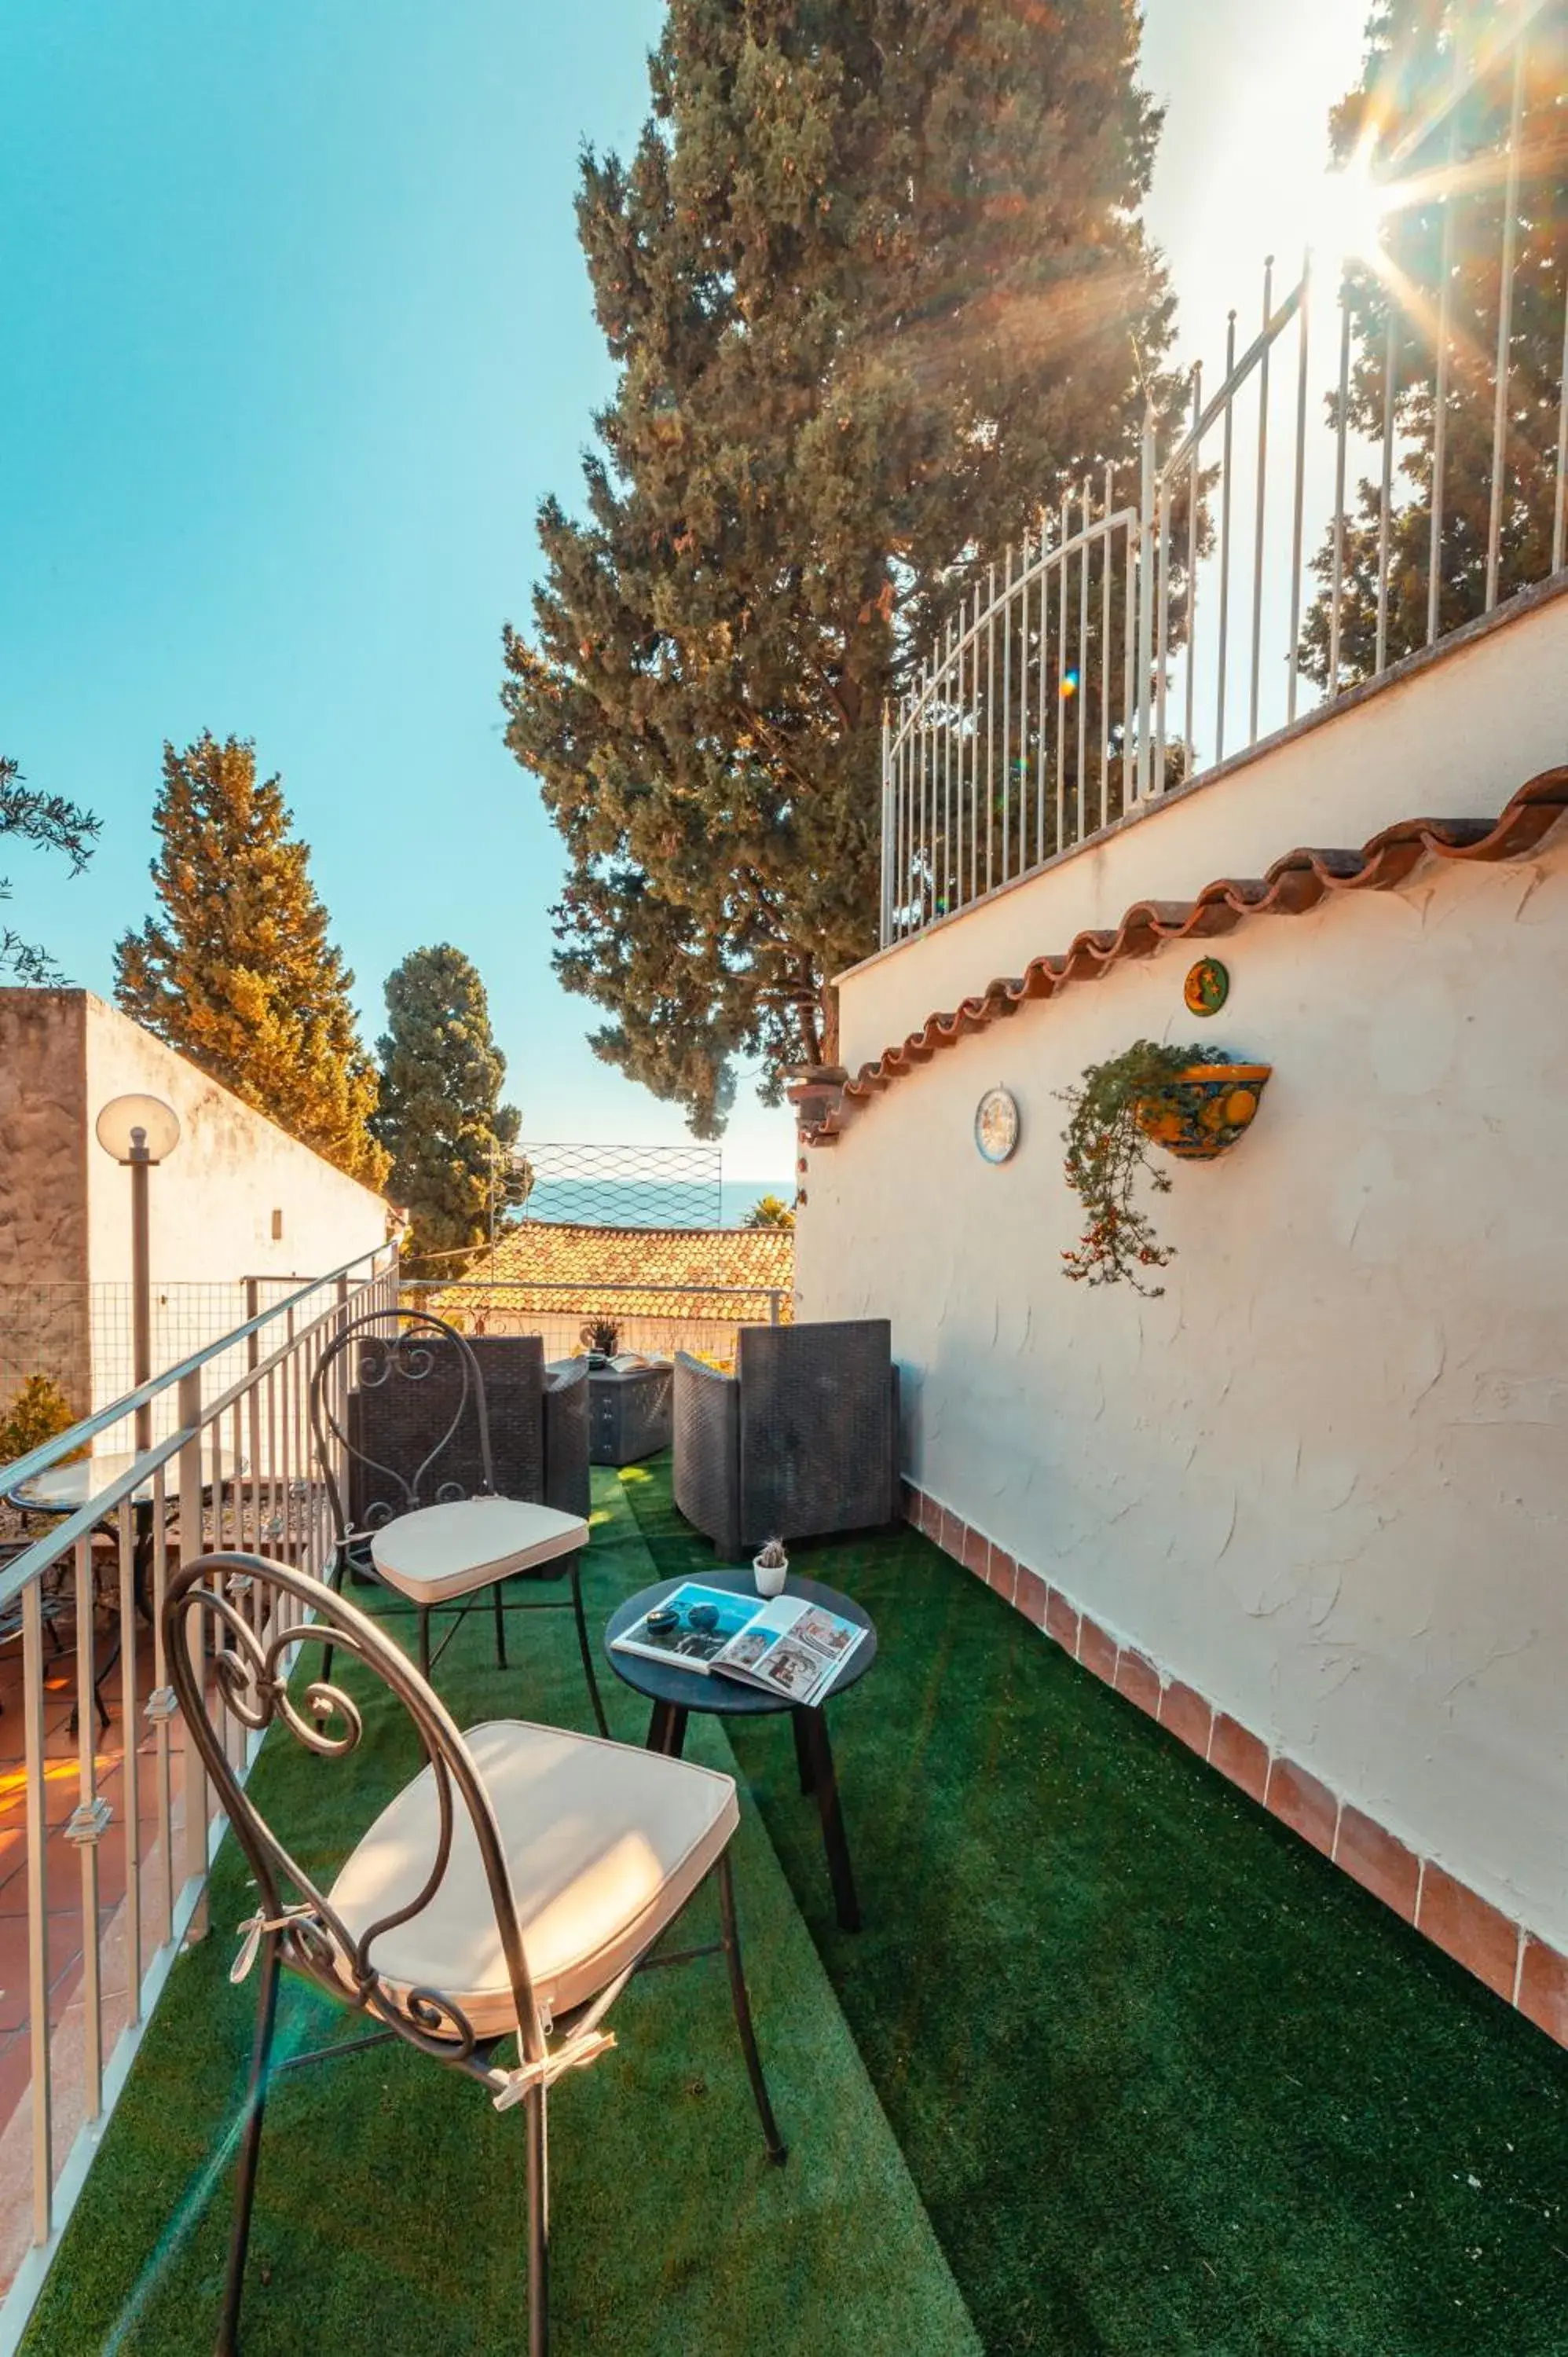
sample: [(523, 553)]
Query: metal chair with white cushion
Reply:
[(508, 1893), (424, 1535)]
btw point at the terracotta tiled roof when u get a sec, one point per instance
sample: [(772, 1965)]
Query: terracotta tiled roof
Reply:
[(1292, 886), (567, 1267)]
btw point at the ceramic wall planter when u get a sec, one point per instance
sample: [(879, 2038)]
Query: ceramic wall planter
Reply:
[(1205, 1108)]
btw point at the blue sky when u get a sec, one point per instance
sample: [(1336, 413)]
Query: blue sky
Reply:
[(297, 333)]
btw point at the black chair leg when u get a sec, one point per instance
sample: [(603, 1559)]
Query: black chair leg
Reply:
[(335, 1582), (102, 1710), (586, 1648), (777, 2150), (537, 2130), (250, 2147), (500, 1625), (425, 1640)]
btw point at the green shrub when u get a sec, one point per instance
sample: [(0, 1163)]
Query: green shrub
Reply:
[(39, 1410)]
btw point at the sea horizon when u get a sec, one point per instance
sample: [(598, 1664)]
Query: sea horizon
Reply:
[(648, 1203)]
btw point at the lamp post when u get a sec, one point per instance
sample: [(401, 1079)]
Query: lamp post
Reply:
[(140, 1132)]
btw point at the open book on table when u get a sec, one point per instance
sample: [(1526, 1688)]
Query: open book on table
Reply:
[(785, 1644)]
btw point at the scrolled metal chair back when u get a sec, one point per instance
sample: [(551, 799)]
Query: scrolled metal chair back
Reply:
[(394, 1346), (242, 1615)]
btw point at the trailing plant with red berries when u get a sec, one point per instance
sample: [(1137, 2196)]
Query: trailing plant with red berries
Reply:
[(1106, 1149)]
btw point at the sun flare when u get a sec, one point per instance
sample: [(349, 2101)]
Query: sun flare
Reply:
[(1350, 208)]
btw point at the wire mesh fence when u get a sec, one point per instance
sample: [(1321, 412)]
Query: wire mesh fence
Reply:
[(626, 1186), (78, 1337)]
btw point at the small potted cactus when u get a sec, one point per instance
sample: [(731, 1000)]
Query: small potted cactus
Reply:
[(601, 1337), (771, 1568)]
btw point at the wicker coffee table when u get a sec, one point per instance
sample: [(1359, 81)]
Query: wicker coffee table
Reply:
[(676, 1692)]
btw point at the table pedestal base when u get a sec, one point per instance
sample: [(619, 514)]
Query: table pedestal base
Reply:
[(814, 1761)]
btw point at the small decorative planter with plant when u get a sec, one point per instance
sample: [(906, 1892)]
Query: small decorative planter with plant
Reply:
[(1194, 1101), (602, 1336), (771, 1569)]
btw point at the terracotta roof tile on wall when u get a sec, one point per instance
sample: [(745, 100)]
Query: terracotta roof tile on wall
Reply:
[(1290, 886), (578, 1263)]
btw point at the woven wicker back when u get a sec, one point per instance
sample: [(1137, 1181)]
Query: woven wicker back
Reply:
[(817, 1429), (566, 1478), (707, 1453), (397, 1421)]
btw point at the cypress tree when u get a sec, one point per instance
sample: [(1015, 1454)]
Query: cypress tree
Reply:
[(237, 971), (877, 289), (1430, 116), (440, 1115)]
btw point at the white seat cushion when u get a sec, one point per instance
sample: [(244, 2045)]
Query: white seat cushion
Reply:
[(605, 1844), (441, 1550)]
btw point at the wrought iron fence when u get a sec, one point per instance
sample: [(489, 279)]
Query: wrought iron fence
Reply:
[(111, 1892), (993, 759), (1122, 649)]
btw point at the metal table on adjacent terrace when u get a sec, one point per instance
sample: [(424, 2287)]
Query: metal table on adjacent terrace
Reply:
[(65, 1489)]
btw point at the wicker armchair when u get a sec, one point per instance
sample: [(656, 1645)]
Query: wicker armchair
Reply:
[(801, 1441), (538, 1418)]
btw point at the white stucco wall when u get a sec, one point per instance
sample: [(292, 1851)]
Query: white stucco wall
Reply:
[(1325, 1478), (212, 1203)]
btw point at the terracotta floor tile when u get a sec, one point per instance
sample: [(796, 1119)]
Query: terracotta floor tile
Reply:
[(64, 1956)]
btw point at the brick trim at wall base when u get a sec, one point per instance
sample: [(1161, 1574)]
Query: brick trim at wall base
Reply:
[(1520, 1968)]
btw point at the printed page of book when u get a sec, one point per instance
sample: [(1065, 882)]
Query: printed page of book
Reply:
[(791, 1647), (684, 1646)]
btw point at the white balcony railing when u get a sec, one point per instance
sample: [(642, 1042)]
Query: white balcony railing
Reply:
[(116, 1880), (1136, 639)]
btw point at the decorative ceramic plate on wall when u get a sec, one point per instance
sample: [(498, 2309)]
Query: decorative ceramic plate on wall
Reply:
[(1206, 987), (996, 1124)]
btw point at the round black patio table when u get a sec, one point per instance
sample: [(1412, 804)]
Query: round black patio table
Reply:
[(675, 1692)]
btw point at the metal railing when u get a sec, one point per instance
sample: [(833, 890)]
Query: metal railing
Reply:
[(236, 1469), (992, 761), (658, 1320), (1121, 650)]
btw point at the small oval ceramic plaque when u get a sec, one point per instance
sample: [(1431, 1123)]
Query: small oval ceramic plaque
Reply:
[(996, 1124), (1207, 987)]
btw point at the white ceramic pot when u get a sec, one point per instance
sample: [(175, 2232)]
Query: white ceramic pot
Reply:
[(769, 1577)]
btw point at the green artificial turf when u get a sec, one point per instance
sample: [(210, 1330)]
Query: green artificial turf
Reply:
[(1169, 2084), (390, 2211)]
